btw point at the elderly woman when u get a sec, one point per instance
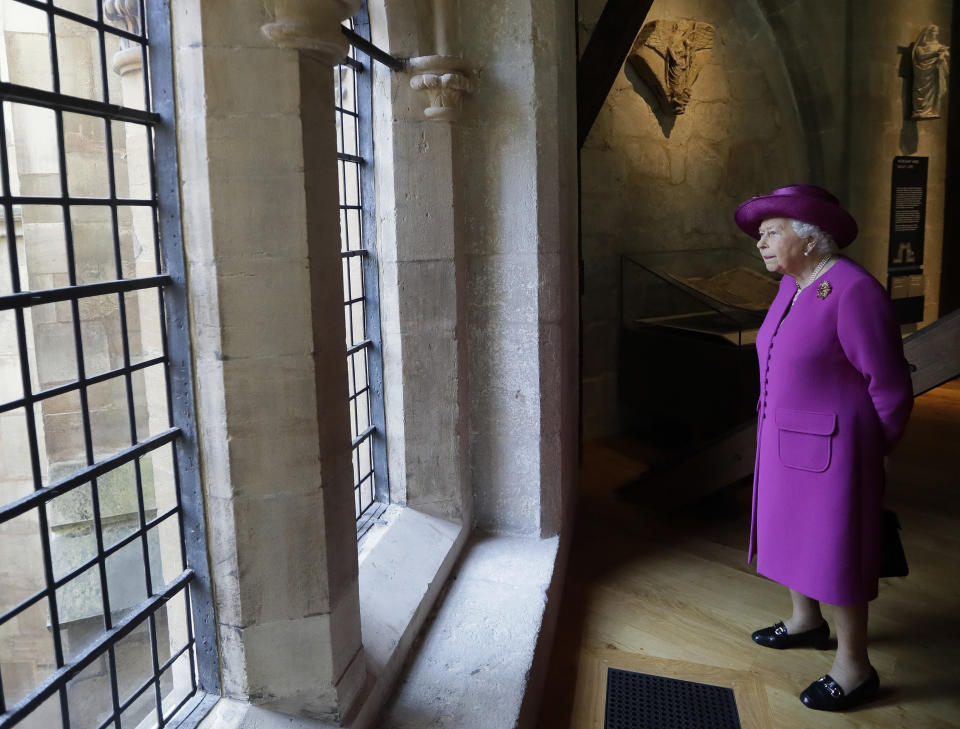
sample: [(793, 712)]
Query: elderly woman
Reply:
[(835, 395)]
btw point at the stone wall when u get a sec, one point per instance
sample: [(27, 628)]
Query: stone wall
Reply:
[(655, 182), (849, 66), (880, 129), (811, 41), (516, 162), (794, 91), (479, 212)]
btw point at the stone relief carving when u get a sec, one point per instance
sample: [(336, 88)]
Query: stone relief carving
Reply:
[(669, 55), (931, 72), (445, 80)]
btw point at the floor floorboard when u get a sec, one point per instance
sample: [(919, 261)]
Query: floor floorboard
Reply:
[(672, 593)]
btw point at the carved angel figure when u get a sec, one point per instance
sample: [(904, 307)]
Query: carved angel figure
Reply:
[(931, 69), (669, 55)]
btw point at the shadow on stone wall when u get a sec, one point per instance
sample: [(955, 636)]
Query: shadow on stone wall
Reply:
[(909, 134), (665, 119)]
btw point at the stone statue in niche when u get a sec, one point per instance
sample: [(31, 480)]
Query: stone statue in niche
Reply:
[(669, 55), (931, 71)]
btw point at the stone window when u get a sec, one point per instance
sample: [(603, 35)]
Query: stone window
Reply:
[(353, 114), (102, 579)]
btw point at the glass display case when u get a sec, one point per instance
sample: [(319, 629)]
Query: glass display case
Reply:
[(722, 292), (688, 324)]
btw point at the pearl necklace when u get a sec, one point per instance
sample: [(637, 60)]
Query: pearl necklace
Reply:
[(813, 276)]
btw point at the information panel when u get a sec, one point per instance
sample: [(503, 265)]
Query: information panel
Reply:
[(908, 212)]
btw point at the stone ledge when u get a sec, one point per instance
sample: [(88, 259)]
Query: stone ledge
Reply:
[(473, 667), (234, 714), (401, 574), (403, 567), (474, 664)]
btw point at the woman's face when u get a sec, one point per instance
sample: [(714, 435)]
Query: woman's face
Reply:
[(781, 248)]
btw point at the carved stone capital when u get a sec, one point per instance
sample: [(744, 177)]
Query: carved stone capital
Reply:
[(124, 14), (311, 25), (127, 60), (445, 80)]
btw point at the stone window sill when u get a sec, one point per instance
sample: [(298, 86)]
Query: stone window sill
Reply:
[(403, 566), (485, 653), (404, 563), (486, 633)]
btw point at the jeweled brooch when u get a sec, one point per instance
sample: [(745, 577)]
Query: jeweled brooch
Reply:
[(824, 289)]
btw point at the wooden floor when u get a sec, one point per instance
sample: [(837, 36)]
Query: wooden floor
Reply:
[(671, 594)]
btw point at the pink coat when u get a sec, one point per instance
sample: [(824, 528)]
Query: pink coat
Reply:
[(835, 396)]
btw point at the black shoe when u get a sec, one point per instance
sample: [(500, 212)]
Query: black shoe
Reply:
[(825, 694), (776, 636)]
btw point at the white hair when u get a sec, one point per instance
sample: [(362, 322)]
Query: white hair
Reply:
[(823, 242)]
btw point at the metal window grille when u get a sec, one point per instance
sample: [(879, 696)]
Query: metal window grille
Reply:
[(105, 618), (360, 297)]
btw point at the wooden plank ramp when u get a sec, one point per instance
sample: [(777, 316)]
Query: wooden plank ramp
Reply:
[(934, 357), (934, 353)]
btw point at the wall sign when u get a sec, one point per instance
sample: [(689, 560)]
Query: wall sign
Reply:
[(908, 212)]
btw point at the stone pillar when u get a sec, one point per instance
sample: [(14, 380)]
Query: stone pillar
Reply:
[(420, 248), (257, 153), (520, 261)]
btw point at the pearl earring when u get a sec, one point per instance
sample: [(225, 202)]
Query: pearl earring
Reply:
[(806, 253)]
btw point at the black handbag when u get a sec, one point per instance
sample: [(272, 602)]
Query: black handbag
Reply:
[(893, 561)]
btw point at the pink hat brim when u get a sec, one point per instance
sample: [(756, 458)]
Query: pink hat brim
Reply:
[(806, 203)]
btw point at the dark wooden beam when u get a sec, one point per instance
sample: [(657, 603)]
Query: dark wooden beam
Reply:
[(605, 53)]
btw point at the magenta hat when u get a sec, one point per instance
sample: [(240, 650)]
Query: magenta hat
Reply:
[(806, 203)]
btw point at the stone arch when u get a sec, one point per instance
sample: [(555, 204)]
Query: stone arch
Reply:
[(813, 52)]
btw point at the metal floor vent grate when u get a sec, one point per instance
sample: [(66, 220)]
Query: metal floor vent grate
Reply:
[(642, 701)]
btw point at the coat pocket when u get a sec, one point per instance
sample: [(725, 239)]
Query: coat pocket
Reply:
[(805, 439)]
